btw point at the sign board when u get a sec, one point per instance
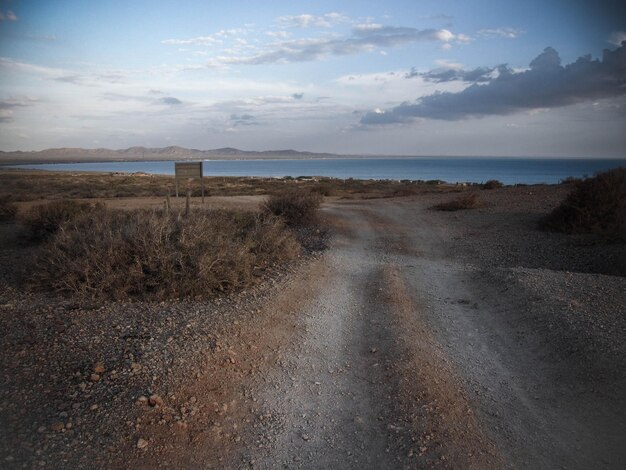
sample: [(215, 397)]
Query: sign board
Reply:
[(187, 171)]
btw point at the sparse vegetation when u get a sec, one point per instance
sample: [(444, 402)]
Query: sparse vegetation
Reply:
[(42, 221), (153, 255), (7, 209), (466, 201), (492, 184), (595, 205), (297, 207), (19, 185)]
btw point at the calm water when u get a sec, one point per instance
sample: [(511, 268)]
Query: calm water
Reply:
[(459, 169)]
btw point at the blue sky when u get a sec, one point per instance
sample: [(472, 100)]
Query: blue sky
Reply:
[(399, 77)]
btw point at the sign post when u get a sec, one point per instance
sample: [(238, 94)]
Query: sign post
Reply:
[(188, 171)]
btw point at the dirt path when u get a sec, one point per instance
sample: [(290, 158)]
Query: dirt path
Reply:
[(410, 357), (348, 392), (397, 352)]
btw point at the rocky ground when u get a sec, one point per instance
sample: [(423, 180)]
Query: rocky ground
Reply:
[(418, 339)]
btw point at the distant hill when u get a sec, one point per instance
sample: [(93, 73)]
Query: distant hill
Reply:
[(72, 155)]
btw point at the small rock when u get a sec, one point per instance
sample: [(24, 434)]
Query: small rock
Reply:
[(93, 407), (95, 377), (155, 400), (58, 426), (142, 400), (135, 367), (99, 368), (142, 443)]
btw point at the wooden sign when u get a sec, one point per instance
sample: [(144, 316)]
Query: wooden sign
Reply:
[(187, 171)]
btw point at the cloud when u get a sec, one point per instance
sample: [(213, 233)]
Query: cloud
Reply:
[(510, 33), (364, 38), (170, 100), (10, 16), (243, 120), (547, 84), (7, 106), (200, 40), (278, 34), (17, 102), (306, 20), (6, 115), (297, 96), (210, 40), (617, 37), (450, 72)]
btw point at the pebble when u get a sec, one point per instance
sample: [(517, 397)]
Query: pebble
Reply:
[(155, 400), (142, 400), (142, 443)]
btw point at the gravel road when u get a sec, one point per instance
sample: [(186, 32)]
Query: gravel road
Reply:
[(412, 354)]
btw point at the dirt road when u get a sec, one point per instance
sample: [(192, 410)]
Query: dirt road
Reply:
[(418, 339), (409, 356)]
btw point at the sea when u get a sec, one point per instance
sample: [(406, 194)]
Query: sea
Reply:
[(450, 169)]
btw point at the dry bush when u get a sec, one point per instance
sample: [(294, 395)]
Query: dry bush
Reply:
[(7, 209), (296, 206), (466, 201), (492, 184), (595, 205), (42, 221), (152, 255)]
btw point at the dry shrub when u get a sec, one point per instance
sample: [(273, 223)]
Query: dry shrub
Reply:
[(466, 201), (42, 221), (7, 209), (595, 205), (297, 207), (492, 184), (153, 255)]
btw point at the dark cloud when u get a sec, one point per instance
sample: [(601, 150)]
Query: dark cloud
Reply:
[(74, 79), (243, 120), (477, 75), (16, 103), (170, 100), (297, 96), (547, 84), (7, 107)]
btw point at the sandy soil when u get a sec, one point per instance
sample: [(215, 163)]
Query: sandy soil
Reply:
[(418, 339)]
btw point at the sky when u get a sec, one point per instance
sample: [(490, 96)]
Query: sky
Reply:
[(401, 77)]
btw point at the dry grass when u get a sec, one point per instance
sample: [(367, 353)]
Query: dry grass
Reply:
[(153, 255), (296, 207), (466, 201), (43, 221), (595, 205)]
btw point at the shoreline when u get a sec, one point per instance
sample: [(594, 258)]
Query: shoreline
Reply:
[(72, 161)]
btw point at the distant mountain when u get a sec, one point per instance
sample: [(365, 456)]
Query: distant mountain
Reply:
[(72, 155)]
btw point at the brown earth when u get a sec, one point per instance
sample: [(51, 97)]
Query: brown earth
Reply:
[(418, 339)]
